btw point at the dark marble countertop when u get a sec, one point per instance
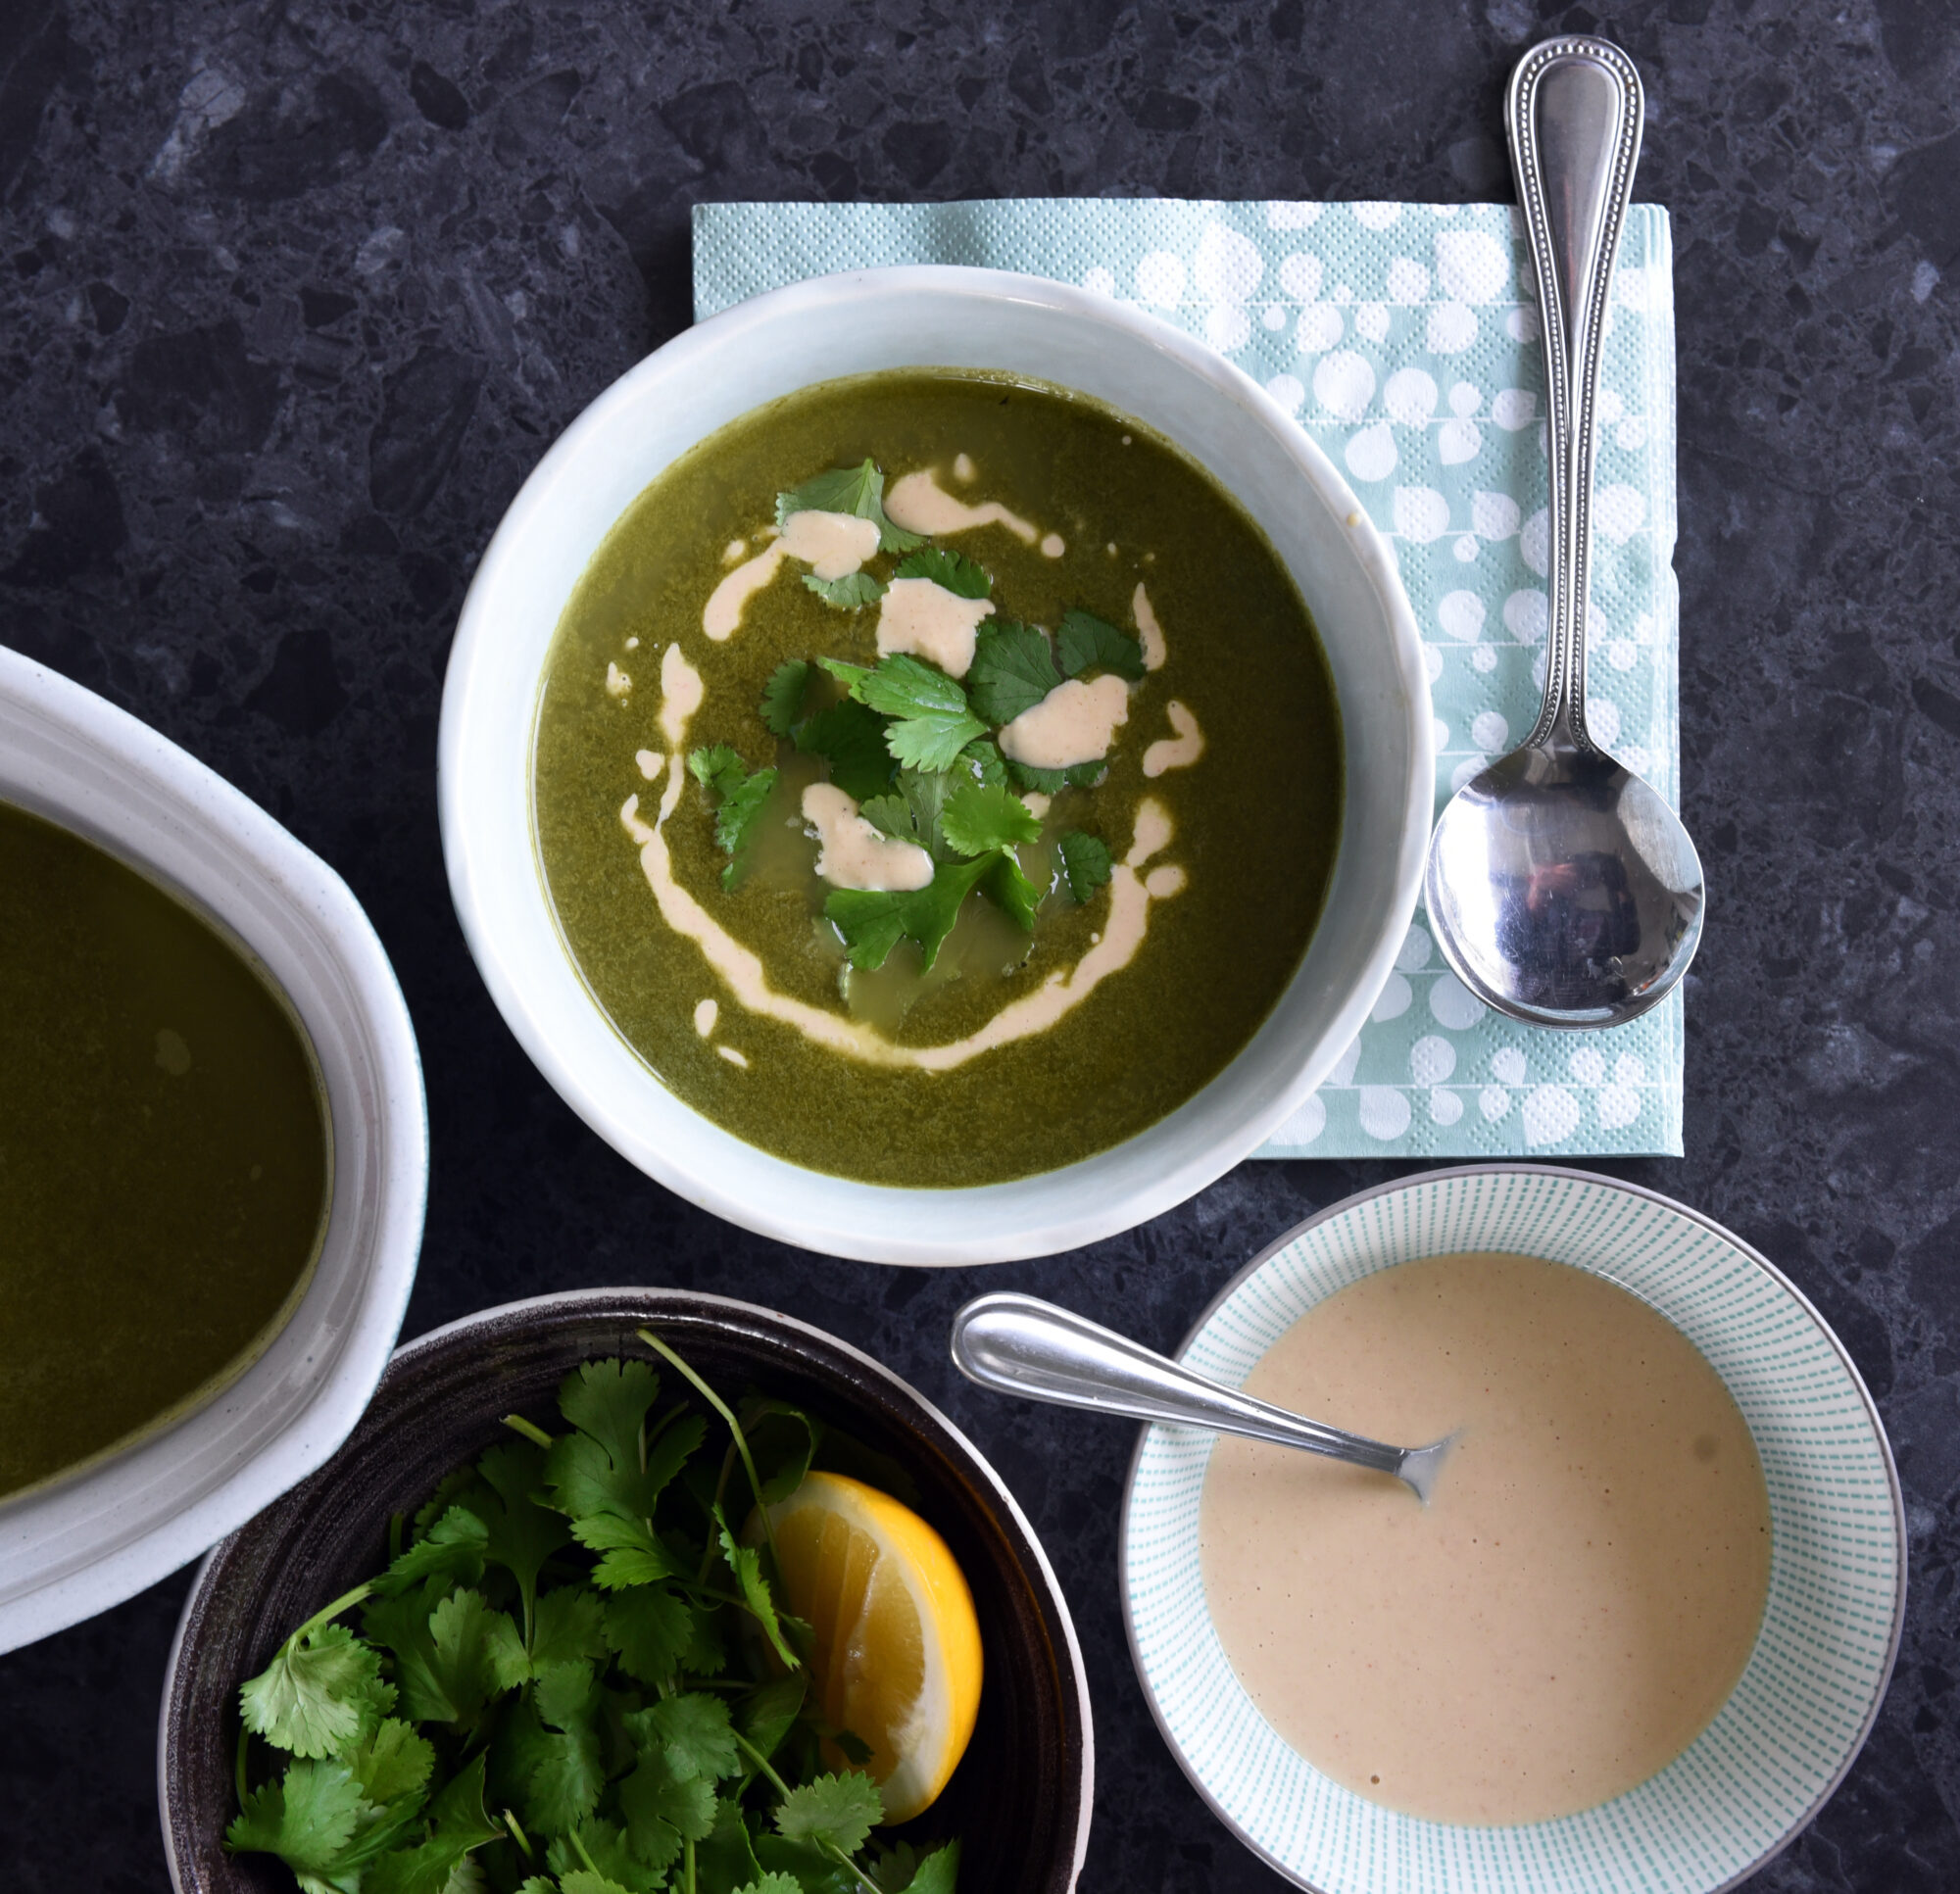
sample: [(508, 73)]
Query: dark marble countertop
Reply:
[(293, 296)]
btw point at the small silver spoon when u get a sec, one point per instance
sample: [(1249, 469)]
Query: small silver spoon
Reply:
[(1019, 1344), (1563, 888)]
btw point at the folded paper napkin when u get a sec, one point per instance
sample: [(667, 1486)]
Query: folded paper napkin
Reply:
[(1403, 338)]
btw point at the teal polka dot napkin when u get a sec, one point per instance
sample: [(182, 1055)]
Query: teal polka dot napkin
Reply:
[(1402, 337)]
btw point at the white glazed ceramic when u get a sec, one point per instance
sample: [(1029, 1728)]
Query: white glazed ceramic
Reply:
[(1808, 1696), (852, 324), (80, 1544)]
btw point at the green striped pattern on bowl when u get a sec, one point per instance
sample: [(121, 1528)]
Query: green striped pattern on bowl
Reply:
[(1808, 1698)]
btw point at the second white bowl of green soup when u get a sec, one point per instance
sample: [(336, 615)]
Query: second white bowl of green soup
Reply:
[(935, 766)]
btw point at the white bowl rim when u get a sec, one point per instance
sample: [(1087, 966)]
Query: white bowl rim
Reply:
[(574, 1298), (924, 1242), (1751, 1254), (196, 796)]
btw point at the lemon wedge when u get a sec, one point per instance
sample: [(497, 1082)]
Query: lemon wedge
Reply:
[(898, 1646)]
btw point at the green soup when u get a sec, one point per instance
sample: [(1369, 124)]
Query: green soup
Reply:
[(164, 1154), (1217, 801)]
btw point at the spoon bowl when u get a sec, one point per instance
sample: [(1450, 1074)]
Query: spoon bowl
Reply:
[(1564, 890)]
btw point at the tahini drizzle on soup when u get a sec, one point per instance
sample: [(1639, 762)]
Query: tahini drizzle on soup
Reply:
[(1576, 1601), (1119, 744)]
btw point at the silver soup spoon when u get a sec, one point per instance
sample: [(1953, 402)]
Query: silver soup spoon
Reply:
[(1019, 1344), (1563, 890)]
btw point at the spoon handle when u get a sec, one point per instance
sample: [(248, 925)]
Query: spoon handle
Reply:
[(1018, 1345), (1573, 112)]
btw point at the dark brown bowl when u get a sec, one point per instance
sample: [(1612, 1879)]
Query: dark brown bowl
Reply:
[(1020, 1799)]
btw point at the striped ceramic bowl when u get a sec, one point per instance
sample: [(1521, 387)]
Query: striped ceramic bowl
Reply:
[(1810, 1692)]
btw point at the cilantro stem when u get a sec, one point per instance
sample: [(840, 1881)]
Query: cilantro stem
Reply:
[(761, 1760), (345, 1602), (709, 1551), (727, 1413), (782, 1788), (532, 1432), (690, 1867), (518, 1836), (578, 1842)]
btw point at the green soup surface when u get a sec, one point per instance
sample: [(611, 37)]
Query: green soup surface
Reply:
[(163, 1153), (1107, 519)]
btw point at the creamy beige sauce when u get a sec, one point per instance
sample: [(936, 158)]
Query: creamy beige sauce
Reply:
[(618, 683), (1075, 723), (1178, 751), (649, 762), (921, 505), (1582, 1591), (832, 545), (920, 616), (681, 692), (1148, 629), (853, 854)]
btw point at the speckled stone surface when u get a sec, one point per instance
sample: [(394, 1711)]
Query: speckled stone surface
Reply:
[(292, 297)]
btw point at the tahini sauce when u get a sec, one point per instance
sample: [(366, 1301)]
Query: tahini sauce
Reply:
[(1576, 1601)]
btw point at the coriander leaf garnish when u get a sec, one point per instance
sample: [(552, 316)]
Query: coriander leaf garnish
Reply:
[(307, 1818), (1008, 887), (977, 818), (773, 1882), (1013, 670), (932, 723), (1052, 781), (852, 740), (321, 1686), (393, 1764), (914, 813), (693, 1731), (648, 1628), (858, 490), (747, 1565), (832, 1811), (1088, 643), (871, 924), (936, 1873), (986, 762), (852, 593), (783, 696), (631, 1554), (892, 815), (740, 795), (1085, 864), (945, 567), (451, 1548), (663, 1810)]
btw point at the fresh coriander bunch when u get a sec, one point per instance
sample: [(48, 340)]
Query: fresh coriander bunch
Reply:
[(574, 1677), (918, 749)]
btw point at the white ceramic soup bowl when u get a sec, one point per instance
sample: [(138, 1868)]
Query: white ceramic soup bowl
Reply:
[(852, 324), (1812, 1687), (88, 1540)]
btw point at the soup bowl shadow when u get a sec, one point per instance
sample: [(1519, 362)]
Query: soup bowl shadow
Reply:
[(148, 1504), (1021, 1798), (859, 323), (1810, 1692)]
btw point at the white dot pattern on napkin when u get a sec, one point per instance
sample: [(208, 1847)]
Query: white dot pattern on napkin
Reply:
[(1405, 339)]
